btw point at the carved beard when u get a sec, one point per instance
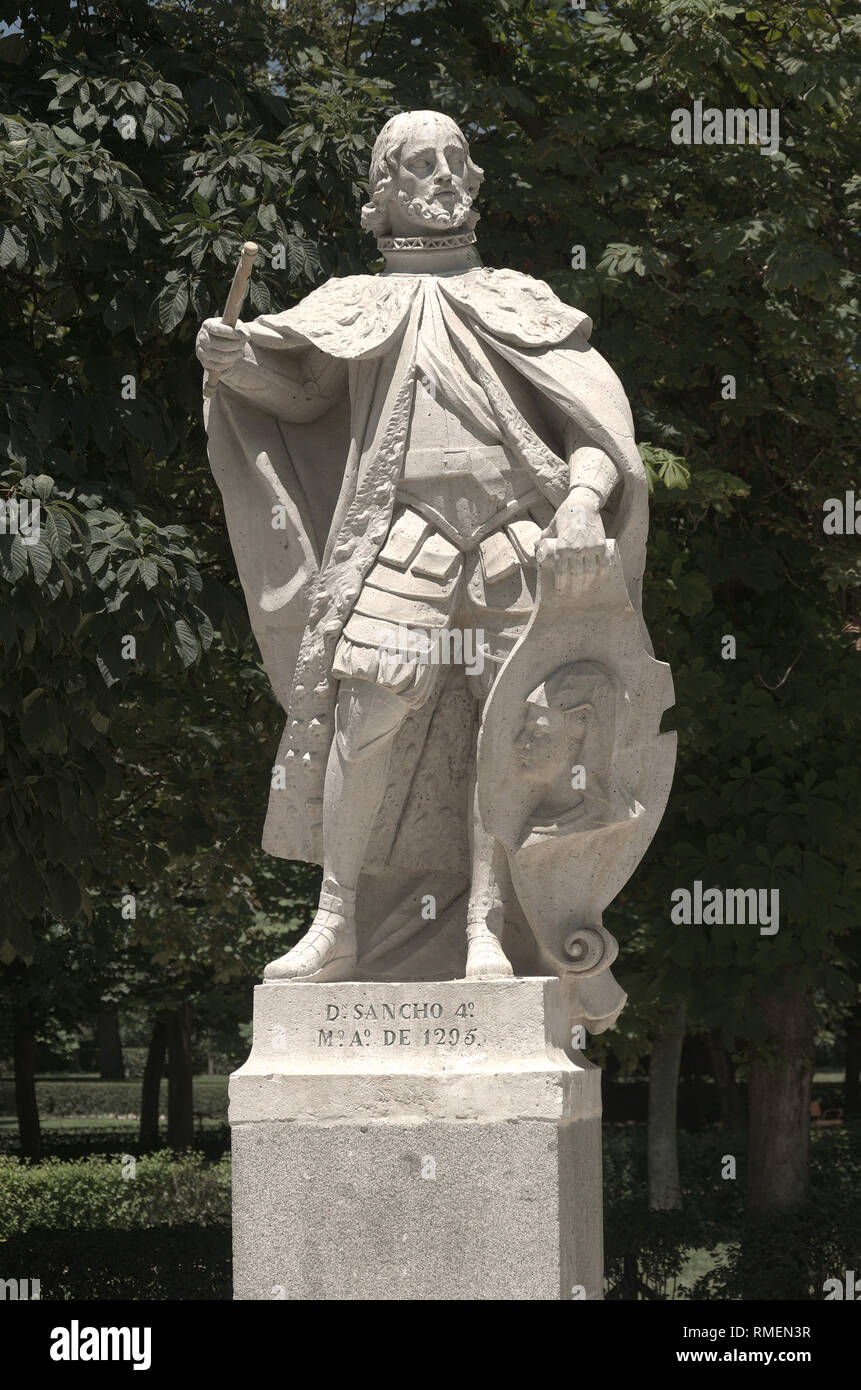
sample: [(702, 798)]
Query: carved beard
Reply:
[(433, 214)]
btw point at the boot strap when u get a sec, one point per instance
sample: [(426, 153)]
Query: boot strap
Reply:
[(336, 899)]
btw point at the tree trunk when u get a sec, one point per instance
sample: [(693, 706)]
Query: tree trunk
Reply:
[(111, 1065), (180, 1091), (779, 1105), (732, 1114), (24, 1060), (153, 1072), (665, 1193), (852, 1090)]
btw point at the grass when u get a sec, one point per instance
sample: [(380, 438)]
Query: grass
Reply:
[(84, 1096), (79, 1111), (9, 1125), (202, 1079)]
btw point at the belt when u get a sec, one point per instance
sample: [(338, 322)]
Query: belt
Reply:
[(456, 534)]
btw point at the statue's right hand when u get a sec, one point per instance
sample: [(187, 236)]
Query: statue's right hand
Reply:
[(219, 346)]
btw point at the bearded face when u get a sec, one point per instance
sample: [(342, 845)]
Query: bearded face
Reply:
[(428, 191)]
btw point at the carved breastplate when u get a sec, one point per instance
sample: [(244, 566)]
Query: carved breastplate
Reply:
[(458, 474)]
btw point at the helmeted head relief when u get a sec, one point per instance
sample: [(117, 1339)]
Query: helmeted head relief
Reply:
[(573, 702), (422, 180)]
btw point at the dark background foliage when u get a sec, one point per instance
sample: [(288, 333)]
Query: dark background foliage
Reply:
[(142, 142)]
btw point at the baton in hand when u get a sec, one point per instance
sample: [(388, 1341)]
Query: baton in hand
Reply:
[(233, 305)]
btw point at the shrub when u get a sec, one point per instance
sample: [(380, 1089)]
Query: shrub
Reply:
[(166, 1190), (163, 1262), (646, 1251), (791, 1254), (787, 1256), (94, 1097)]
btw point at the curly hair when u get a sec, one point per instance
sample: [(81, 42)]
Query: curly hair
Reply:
[(384, 161)]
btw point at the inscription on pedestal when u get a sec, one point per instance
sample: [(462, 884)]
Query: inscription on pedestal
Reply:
[(421, 1023), (431, 1026), (418, 1023)]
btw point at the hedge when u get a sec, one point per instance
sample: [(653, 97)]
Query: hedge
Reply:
[(113, 1097), (163, 1262), (86, 1231), (784, 1257), (106, 1193)]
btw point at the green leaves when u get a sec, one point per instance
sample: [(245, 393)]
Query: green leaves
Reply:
[(12, 251), (91, 606), (185, 642), (39, 556), (663, 465), (172, 303), (132, 168), (688, 592)]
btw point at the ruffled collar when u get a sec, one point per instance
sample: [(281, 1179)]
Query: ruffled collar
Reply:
[(448, 253)]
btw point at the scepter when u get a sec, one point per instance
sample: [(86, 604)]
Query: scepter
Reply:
[(234, 303)]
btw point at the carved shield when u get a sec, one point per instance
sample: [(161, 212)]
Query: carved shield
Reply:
[(573, 773)]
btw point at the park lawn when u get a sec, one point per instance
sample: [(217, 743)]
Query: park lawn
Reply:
[(85, 1123), (83, 1096)]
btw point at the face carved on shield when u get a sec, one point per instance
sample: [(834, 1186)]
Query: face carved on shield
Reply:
[(569, 723), (423, 181), (550, 738)]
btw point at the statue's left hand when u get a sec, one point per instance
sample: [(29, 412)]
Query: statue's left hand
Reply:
[(574, 545)]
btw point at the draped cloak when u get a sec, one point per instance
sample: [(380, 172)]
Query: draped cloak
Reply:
[(331, 472)]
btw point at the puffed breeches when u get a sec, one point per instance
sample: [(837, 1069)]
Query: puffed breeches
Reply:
[(427, 604)]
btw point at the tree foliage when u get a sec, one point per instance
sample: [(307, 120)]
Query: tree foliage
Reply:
[(143, 142)]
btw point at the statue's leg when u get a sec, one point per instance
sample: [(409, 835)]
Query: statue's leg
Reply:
[(383, 676), (489, 893), (357, 773), (499, 610)]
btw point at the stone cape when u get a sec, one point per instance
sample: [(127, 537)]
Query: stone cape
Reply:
[(334, 476)]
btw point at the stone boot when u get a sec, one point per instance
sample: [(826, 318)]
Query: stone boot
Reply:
[(327, 951), (485, 958)]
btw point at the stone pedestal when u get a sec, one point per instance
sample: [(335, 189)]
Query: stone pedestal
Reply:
[(416, 1141)]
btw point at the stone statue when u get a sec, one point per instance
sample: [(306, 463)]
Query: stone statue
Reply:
[(439, 517)]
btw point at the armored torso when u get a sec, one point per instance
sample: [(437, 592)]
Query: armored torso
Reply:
[(457, 472)]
